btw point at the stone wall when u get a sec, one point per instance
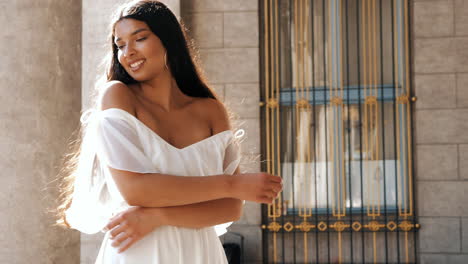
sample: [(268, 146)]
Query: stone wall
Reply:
[(440, 74)]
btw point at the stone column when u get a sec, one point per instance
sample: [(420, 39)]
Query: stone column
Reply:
[(40, 103)]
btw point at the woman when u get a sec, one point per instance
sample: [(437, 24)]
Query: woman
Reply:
[(158, 154)]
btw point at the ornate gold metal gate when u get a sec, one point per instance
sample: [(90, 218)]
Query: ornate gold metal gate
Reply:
[(336, 106)]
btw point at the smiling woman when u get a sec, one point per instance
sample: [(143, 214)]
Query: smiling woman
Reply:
[(158, 166), (134, 36)]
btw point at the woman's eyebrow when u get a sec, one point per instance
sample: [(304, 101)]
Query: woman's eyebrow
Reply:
[(134, 32)]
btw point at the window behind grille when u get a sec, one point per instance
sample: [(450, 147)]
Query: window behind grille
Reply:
[(337, 127)]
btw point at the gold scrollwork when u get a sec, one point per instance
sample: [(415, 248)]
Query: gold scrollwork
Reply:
[(272, 103), (339, 226), (335, 101), (404, 99), (305, 226), (356, 226), (374, 226), (302, 103), (273, 226), (371, 100), (407, 226), (322, 226), (274, 210), (288, 227), (391, 226)]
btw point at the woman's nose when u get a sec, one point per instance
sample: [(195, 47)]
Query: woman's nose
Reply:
[(129, 51)]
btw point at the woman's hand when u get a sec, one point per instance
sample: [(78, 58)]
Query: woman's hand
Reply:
[(257, 187), (131, 225)]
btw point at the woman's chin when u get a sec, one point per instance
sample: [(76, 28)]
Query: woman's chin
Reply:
[(145, 76), (139, 77)]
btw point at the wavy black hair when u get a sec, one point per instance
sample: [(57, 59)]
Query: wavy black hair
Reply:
[(164, 24)]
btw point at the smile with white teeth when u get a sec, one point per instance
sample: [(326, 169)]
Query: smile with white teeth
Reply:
[(135, 66)]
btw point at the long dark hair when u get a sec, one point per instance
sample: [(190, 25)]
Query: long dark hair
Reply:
[(181, 63), (164, 24)]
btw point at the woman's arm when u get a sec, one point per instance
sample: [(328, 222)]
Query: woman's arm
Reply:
[(133, 224), (137, 222), (198, 215), (162, 190)]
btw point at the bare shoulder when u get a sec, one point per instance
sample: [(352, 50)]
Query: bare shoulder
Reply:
[(217, 114), (116, 94)]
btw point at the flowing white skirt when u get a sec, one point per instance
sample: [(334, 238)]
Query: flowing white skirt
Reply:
[(168, 245)]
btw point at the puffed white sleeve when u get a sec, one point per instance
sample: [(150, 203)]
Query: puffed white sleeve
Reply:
[(119, 145), (232, 155), (232, 158), (109, 139)]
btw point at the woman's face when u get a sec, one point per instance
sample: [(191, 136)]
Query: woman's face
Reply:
[(140, 51)]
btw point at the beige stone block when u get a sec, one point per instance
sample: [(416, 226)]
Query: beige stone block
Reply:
[(435, 126), (218, 5), (206, 29), (250, 163), (173, 5), (90, 245), (441, 126), (92, 68), (248, 5), (437, 198), (201, 5), (443, 258), (96, 28), (433, 19), (96, 19), (232, 65), (240, 29), (252, 240), (252, 214), (463, 160), (250, 142), (462, 90), (243, 99), (437, 162), (457, 259), (461, 17), (451, 258), (435, 91), (462, 54), (439, 234), (438, 55), (427, 258), (219, 90), (464, 229)]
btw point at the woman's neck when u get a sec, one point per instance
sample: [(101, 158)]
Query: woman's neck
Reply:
[(163, 92)]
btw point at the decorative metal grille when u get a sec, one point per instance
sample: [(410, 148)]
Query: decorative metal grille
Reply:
[(336, 106)]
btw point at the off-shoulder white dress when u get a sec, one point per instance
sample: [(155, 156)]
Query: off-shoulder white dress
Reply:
[(116, 138)]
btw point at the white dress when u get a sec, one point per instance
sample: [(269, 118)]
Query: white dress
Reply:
[(116, 138)]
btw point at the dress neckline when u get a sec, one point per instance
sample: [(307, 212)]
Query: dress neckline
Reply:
[(162, 139)]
